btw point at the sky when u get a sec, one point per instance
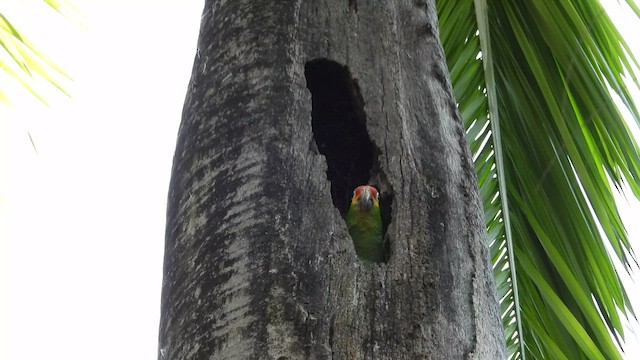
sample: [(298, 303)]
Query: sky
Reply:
[(82, 217)]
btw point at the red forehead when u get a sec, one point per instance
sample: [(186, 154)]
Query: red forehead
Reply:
[(372, 190)]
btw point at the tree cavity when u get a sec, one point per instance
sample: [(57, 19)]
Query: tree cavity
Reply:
[(339, 126)]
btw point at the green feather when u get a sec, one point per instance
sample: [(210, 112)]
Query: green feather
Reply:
[(365, 227)]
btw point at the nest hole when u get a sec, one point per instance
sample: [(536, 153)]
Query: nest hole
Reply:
[(339, 126)]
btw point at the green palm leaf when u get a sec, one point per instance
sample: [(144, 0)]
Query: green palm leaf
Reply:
[(547, 141), (21, 60)]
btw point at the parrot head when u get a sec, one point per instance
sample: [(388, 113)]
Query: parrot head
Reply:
[(365, 197)]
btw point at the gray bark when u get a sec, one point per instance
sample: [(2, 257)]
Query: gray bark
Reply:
[(258, 260)]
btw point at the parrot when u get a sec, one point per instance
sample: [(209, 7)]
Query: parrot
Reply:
[(365, 224)]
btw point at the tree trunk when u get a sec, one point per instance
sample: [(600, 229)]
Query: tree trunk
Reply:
[(292, 104)]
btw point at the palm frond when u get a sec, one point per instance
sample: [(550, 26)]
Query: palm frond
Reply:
[(68, 10), (564, 141), (23, 62)]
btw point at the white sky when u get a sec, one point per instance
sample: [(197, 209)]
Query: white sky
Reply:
[(82, 221), (85, 216)]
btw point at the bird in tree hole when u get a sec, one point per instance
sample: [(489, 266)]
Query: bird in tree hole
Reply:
[(365, 224)]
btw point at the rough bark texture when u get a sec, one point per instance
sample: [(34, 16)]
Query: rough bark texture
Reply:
[(258, 262)]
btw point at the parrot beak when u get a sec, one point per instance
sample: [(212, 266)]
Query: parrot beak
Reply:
[(365, 202)]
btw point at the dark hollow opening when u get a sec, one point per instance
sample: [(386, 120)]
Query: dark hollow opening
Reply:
[(339, 129)]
